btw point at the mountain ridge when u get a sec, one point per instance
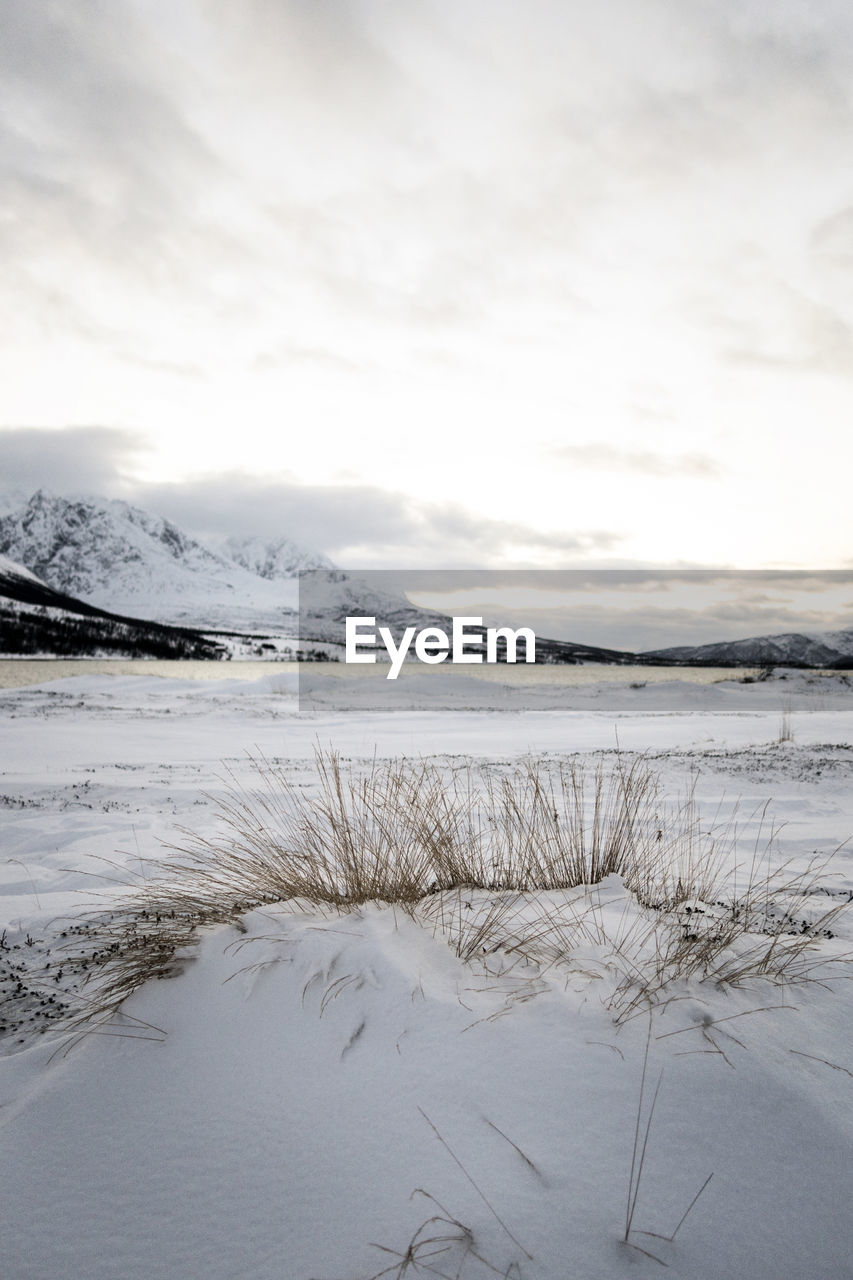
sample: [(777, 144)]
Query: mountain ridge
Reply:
[(786, 649), (128, 561), (111, 557), (278, 558)]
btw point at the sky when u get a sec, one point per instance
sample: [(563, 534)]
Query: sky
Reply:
[(430, 284)]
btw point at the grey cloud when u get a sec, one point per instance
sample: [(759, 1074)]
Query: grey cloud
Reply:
[(87, 458), (294, 48), (97, 162), (359, 525), (419, 174), (463, 153), (102, 115), (649, 580), (356, 524)]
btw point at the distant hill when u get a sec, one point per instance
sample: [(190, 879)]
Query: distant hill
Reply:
[(792, 649)]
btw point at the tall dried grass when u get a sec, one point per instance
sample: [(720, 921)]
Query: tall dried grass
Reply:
[(506, 862), (406, 829)]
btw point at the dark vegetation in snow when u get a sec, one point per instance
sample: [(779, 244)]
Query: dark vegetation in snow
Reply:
[(35, 619)]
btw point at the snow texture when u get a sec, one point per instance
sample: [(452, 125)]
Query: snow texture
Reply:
[(314, 1086), (279, 558)]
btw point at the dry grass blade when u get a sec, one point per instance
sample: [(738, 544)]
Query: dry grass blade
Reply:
[(638, 1152), (492, 1210), (515, 1147)]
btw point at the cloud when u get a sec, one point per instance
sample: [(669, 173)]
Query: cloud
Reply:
[(755, 586), (831, 239), (421, 163), (604, 457), (355, 524), (302, 213), (91, 459), (361, 526), (99, 167), (780, 327)]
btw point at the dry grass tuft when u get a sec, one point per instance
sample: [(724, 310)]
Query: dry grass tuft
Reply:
[(442, 1246), (786, 732), (509, 865), (405, 830)]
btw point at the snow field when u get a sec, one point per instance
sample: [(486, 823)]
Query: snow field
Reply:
[(271, 1111)]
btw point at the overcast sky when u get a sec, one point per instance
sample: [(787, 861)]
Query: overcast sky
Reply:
[(430, 282)]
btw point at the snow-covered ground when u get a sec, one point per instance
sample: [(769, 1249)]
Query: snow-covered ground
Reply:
[(315, 1095)]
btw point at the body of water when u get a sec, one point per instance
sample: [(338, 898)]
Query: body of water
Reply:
[(18, 672)]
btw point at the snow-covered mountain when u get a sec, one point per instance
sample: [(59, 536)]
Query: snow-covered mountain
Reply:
[(11, 573), (35, 620), (126, 560), (136, 565), (281, 558), (791, 649), (840, 641), (80, 546)]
